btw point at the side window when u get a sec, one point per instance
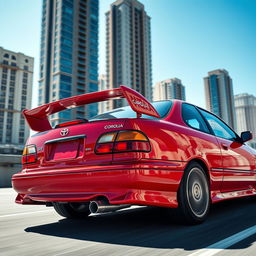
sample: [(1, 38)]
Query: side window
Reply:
[(219, 128), (192, 118)]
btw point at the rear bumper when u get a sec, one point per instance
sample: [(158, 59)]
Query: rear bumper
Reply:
[(120, 184)]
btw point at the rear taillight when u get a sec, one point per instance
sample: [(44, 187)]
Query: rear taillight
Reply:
[(29, 154), (122, 141)]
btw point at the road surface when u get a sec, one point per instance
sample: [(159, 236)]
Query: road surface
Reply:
[(38, 230)]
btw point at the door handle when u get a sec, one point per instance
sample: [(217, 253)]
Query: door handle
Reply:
[(224, 146)]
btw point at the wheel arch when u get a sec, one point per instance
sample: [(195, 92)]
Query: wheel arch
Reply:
[(183, 200), (204, 166)]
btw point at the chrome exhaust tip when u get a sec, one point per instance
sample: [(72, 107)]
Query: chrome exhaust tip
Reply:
[(93, 206), (102, 206)]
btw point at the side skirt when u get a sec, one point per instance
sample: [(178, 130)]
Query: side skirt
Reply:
[(233, 194)]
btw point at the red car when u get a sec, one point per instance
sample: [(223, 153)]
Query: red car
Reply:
[(169, 154)]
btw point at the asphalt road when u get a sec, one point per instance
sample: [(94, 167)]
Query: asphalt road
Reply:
[(38, 230)]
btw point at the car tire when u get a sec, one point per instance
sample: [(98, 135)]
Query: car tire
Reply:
[(72, 210), (194, 195)]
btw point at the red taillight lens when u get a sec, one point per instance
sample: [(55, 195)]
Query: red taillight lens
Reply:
[(122, 141), (132, 146), (29, 155), (104, 148), (122, 146), (24, 160)]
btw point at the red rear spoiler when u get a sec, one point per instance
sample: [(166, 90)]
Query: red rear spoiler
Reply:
[(37, 118)]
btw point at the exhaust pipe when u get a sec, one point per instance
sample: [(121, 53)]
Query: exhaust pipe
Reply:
[(102, 206)]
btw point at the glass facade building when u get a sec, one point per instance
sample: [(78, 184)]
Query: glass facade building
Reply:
[(69, 54), (219, 96)]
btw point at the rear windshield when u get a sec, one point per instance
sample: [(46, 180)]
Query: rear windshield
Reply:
[(162, 107)]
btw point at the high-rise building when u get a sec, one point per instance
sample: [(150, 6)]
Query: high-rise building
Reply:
[(16, 78), (104, 105), (169, 89), (69, 54), (128, 48), (245, 106), (219, 95)]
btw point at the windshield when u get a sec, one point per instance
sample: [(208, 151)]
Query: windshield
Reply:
[(162, 107)]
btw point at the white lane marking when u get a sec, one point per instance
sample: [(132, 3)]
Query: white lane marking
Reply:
[(225, 243), (23, 213)]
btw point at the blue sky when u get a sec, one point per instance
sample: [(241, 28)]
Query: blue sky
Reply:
[(189, 38)]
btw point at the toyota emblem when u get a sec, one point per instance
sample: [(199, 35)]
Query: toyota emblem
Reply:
[(64, 132)]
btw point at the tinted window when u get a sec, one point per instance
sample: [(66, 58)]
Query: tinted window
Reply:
[(192, 118), (162, 107), (219, 128)]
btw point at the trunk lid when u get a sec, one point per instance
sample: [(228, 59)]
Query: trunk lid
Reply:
[(72, 146)]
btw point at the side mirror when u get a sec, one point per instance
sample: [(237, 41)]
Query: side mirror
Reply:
[(245, 136)]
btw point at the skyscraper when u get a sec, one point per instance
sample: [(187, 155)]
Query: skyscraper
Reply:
[(219, 95), (16, 78), (69, 53), (245, 106), (103, 106), (128, 48), (169, 89)]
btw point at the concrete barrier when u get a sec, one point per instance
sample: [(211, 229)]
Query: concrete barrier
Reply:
[(9, 165)]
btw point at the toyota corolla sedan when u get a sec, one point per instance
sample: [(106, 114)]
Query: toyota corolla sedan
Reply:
[(169, 154)]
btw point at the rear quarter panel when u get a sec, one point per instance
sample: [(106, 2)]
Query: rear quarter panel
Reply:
[(175, 144)]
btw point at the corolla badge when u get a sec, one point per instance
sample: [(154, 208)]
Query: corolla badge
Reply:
[(64, 132), (113, 126)]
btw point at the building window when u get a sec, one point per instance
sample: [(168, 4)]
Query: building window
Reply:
[(64, 94), (93, 87), (66, 69), (93, 77), (64, 78)]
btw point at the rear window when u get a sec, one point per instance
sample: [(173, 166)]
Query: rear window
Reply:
[(162, 107)]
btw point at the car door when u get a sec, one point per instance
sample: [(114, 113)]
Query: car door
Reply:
[(237, 160), (204, 143)]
